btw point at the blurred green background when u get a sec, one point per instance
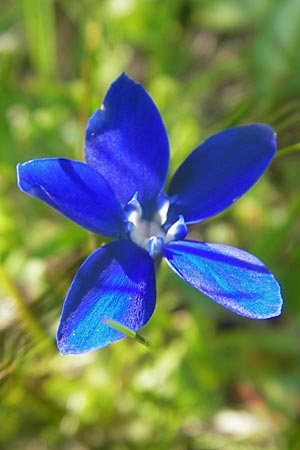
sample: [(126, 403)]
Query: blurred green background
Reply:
[(215, 380)]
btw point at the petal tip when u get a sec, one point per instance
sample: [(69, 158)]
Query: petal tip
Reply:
[(66, 347), (18, 174), (278, 311), (123, 79), (21, 177), (267, 130), (269, 310)]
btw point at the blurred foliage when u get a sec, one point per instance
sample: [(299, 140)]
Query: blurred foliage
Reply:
[(215, 380)]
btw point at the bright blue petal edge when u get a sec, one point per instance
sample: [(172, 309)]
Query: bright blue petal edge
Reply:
[(233, 278), (116, 282), (127, 143), (75, 190), (220, 171)]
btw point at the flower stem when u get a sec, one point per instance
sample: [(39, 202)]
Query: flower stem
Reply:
[(26, 317)]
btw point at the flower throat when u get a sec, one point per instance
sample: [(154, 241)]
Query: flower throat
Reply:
[(153, 235)]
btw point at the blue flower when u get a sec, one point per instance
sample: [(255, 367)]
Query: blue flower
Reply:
[(118, 192)]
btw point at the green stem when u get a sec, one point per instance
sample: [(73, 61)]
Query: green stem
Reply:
[(137, 337), (25, 315), (289, 149)]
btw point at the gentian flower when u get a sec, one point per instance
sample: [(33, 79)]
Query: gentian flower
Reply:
[(118, 193)]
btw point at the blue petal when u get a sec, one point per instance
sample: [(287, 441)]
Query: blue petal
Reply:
[(219, 171), (126, 142), (117, 282), (231, 277), (75, 190)]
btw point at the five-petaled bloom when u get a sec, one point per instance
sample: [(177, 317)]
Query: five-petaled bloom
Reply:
[(118, 193)]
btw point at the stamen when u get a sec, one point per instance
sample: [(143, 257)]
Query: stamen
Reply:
[(133, 210), (178, 230), (163, 204)]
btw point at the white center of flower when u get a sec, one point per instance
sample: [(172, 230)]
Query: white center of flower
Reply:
[(152, 235)]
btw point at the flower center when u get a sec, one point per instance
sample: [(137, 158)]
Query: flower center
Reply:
[(153, 235)]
